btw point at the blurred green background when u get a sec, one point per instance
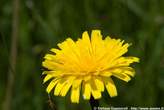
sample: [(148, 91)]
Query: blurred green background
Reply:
[(44, 23)]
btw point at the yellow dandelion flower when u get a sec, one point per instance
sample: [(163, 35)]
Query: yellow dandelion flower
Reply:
[(87, 65)]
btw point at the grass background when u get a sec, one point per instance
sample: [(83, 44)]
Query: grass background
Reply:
[(43, 24)]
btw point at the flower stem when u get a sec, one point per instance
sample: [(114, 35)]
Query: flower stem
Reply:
[(94, 103), (51, 104)]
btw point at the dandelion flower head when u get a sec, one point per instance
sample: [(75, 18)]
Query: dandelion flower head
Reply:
[(85, 66)]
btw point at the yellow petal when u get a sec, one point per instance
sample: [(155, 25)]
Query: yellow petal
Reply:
[(63, 45), (51, 65), (129, 71), (85, 49), (107, 39), (51, 85), (85, 38), (47, 77), (56, 51), (110, 86), (123, 49), (122, 76), (99, 83), (88, 77), (96, 36), (77, 82), (106, 74), (126, 61), (86, 90), (96, 94), (67, 86), (59, 86), (126, 70), (50, 57), (95, 91), (96, 40), (87, 42), (65, 89), (75, 93)]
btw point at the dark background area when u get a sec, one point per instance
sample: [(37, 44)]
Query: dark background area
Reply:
[(44, 23)]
